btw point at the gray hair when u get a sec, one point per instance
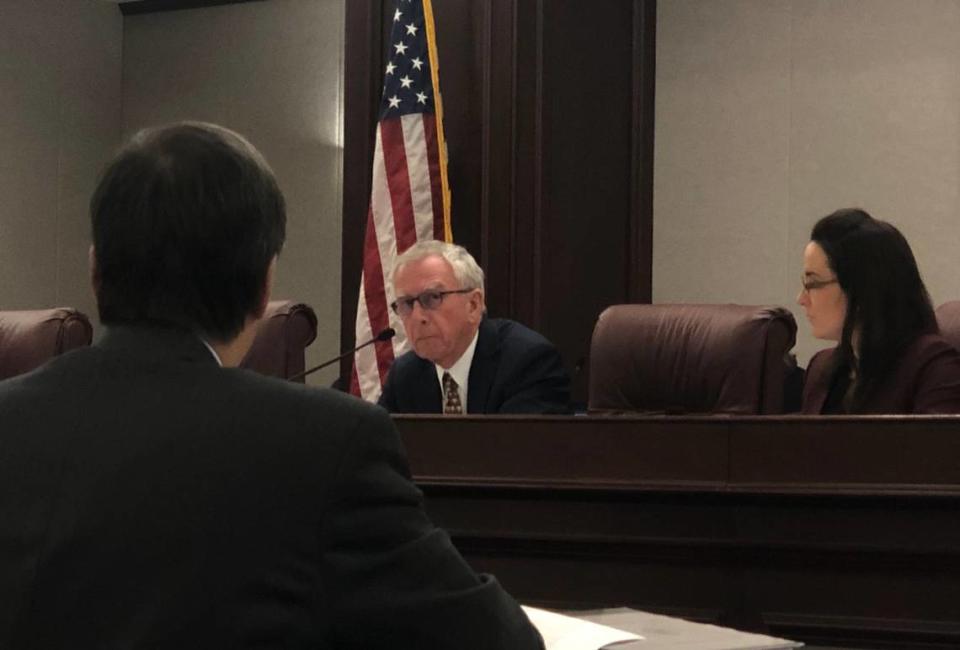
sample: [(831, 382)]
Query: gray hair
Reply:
[(465, 268)]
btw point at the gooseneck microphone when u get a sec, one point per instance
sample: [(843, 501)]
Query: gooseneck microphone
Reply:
[(385, 335)]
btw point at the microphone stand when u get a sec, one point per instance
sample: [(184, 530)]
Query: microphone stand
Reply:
[(385, 335)]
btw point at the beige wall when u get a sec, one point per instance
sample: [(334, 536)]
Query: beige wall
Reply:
[(273, 72), (59, 124), (772, 113)]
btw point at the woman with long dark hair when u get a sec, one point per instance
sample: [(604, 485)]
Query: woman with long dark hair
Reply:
[(862, 288)]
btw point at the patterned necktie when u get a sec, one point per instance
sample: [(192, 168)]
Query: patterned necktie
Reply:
[(451, 396)]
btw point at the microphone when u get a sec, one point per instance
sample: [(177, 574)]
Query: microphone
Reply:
[(385, 335)]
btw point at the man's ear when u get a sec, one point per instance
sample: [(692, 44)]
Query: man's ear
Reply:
[(267, 288), (477, 305)]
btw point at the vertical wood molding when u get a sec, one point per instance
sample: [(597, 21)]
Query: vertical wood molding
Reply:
[(363, 44), (487, 108), (640, 261), (498, 165), (539, 199)]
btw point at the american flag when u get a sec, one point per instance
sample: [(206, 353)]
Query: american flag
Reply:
[(409, 198)]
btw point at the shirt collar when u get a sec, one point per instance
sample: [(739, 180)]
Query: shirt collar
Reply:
[(212, 351)]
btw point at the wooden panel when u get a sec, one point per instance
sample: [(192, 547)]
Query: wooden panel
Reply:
[(640, 260), (828, 457), (585, 193), (829, 530), (362, 71), (550, 141), (553, 452)]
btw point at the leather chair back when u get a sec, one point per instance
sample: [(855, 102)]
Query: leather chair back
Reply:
[(28, 339), (948, 318), (729, 359), (283, 334)]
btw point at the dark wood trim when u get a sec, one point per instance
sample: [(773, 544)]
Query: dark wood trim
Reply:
[(157, 6), (498, 162), (828, 530), (639, 270), (515, 116), (541, 200), (362, 72), (488, 52), (525, 161), (812, 455)]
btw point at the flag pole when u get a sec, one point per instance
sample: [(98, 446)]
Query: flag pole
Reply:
[(438, 108)]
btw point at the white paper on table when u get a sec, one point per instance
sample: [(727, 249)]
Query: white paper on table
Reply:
[(561, 632)]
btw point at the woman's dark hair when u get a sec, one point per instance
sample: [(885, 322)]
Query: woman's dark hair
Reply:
[(887, 302), (186, 221)]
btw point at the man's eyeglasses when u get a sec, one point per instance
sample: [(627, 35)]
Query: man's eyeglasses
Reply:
[(431, 299), (812, 285)]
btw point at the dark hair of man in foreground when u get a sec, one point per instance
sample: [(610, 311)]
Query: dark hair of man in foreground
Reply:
[(150, 498), (186, 222)]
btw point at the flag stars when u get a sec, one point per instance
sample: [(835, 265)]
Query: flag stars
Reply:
[(406, 86)]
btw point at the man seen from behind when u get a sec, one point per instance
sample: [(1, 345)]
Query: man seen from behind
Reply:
[(154, 496)]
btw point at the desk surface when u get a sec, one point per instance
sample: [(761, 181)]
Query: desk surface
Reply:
[(831, 530), (668, 633)]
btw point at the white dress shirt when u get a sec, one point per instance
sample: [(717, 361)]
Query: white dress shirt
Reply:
[(460, 371)]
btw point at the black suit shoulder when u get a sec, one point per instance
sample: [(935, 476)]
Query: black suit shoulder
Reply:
[(516, 370), (411, 386), (514, 335), (265, 506)]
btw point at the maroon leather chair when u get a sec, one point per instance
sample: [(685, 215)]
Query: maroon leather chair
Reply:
[(283, 334), (28, 339), (948, 317), (729, 359)]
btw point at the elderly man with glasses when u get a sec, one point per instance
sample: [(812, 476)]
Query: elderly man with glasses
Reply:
[(462, 361)]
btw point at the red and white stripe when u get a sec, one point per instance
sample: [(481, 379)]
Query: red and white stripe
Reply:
[(406, 206)]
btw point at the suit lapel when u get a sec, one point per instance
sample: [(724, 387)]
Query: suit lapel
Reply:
[(483, 369), (427, 395)]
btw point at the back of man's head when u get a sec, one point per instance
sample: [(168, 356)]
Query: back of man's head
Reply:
[(186, 222)]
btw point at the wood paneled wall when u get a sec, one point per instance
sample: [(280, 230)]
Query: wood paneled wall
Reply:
[(549, 126)]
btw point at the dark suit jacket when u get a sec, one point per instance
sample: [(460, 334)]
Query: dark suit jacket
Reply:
[(151, 499), (514, 370), (926, 381)]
